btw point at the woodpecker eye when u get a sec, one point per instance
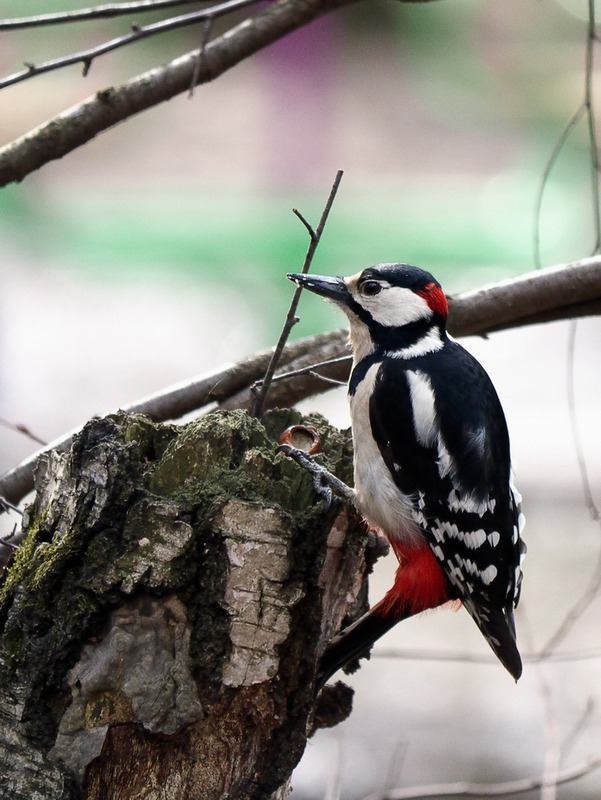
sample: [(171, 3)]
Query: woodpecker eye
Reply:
[(371, 288)]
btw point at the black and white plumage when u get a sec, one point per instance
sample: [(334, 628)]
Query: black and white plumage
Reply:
[(432, 459)]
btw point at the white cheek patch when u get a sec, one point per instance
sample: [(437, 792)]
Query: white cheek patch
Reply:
[(396, 306)]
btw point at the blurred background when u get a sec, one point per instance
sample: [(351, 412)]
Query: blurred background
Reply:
[(158, 252)]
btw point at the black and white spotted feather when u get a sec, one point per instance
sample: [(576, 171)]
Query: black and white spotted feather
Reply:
[(432, 460), (459, 481)]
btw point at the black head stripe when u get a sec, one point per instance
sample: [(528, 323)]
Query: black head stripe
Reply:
[(404, 275)]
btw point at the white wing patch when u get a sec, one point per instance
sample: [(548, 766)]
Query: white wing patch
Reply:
[(425, 419), (425, 422)]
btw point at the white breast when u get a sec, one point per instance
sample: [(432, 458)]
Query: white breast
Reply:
[(380, 501)]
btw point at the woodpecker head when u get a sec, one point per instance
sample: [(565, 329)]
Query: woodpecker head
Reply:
[(389, 306)]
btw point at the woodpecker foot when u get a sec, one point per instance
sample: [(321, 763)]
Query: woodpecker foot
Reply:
[(326, 484)]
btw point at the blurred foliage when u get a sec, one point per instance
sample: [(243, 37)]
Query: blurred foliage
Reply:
[(468, 70)]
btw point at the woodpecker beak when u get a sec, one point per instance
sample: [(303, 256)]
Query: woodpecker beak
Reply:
[(334, 289)]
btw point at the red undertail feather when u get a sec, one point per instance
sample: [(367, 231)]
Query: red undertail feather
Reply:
[(419, 582)]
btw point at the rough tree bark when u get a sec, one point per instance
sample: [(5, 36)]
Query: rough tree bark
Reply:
[(161, 623)]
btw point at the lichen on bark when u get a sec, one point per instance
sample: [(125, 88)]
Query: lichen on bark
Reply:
[(160, 628)]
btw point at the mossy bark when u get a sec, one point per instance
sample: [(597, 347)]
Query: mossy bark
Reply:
[(161, 624)]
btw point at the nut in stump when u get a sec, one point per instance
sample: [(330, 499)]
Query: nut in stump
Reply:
[(302, 437)]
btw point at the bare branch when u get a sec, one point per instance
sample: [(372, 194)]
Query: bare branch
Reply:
[(555, 293), (102, 12), (207, 28), (6, 506), (561, 292), (312, 370), (307, 224), (551, 161), (465, 789), (81, 123), (422, 654), (183, 398), (291, 318), (591, 591), (137, 33), (18, 427), (83, 14), (591, 126)]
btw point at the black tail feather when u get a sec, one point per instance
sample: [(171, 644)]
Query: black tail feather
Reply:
[(498, 628), (352, 642)]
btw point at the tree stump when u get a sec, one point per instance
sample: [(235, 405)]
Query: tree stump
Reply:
[(161, 624)]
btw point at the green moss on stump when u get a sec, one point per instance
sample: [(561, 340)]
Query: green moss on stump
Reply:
[(143, 496)]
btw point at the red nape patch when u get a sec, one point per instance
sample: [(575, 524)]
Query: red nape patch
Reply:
[(435, 298), (419, 582)]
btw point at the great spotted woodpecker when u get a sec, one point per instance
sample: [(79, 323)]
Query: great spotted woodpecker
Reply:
[(431, 461)]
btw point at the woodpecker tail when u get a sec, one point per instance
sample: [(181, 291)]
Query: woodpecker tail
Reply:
[(498, 628), (353, 641), (419, 584)]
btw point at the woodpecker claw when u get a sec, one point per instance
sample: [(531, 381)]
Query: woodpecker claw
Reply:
[(323, 490), (324, 482)]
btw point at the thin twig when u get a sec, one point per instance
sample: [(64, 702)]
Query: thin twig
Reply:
[(5, 541), (504, 789), (590, 118), (395, 766), (334, 780), (22, 429), (83, 14), (291, 318), (207, 27), (576, 436), (594, 584), (310, 370), (551, 161), (418, 654), (86, 57), (572, 736), (325, 379), (79, 124), (6, 505), (585, 108), (552, 755), (594, 153)]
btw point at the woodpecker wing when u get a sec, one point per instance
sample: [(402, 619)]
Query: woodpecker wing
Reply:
[(440, 428)]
